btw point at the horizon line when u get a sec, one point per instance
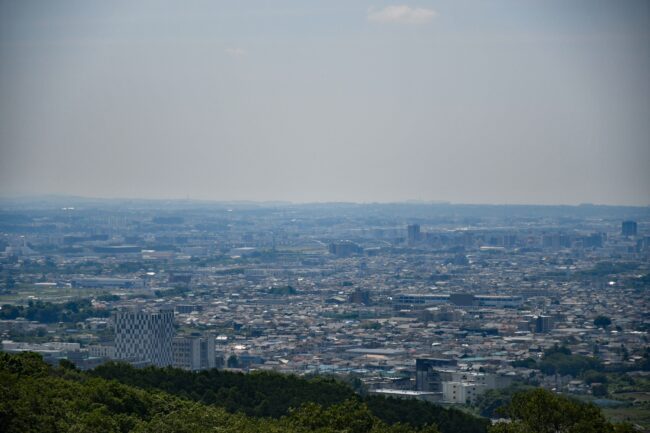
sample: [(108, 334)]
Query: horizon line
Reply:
[(36, 197)]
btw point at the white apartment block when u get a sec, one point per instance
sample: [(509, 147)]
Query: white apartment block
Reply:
[(100, 351), (461, 392), (194, 353)]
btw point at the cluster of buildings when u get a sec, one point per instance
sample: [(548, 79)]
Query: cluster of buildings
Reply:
[(422, 302)]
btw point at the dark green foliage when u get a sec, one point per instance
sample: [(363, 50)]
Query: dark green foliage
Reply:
[(525, 363), (38, 335), (10, 312), (599, 390), (129, 267), (490, 402), (348, 315), (644, 363), (23, 364), (258, 394), (602, 321), (283, 291), (47, 312), (557, 349), (541, 411), (594, 377), (624, 428), (67, 364), (263, 394), (559, 360), (350, 416), (39, 399), (417, 413), (233, 361), (371, 325)]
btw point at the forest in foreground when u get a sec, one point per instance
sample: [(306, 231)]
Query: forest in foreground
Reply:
[(36, 397)]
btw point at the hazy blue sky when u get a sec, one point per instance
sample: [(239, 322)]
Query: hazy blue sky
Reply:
[(485, 101)]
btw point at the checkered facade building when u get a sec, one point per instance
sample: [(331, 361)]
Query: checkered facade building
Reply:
[(145, 336)]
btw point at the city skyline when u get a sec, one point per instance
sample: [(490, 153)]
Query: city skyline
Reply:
[(448, 304)]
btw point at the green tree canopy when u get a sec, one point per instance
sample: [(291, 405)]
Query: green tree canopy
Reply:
[(602, 322), (541, 411)]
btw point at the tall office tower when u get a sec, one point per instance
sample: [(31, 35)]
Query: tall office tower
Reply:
[(628, 228), (543, 324), (143, 336), (413, 233), (208, 355), (194, 353)]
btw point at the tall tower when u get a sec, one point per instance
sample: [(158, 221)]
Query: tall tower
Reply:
[(413, 233), (145, 336), (628, 228)]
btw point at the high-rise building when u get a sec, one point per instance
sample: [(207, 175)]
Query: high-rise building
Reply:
[(194, 353), (429, 374), (543, 324), (556, 241), (413, 231), (628, 228), (143, 336)]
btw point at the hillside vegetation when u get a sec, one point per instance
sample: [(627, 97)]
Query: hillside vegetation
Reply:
[(39, 398), (36, 397)]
